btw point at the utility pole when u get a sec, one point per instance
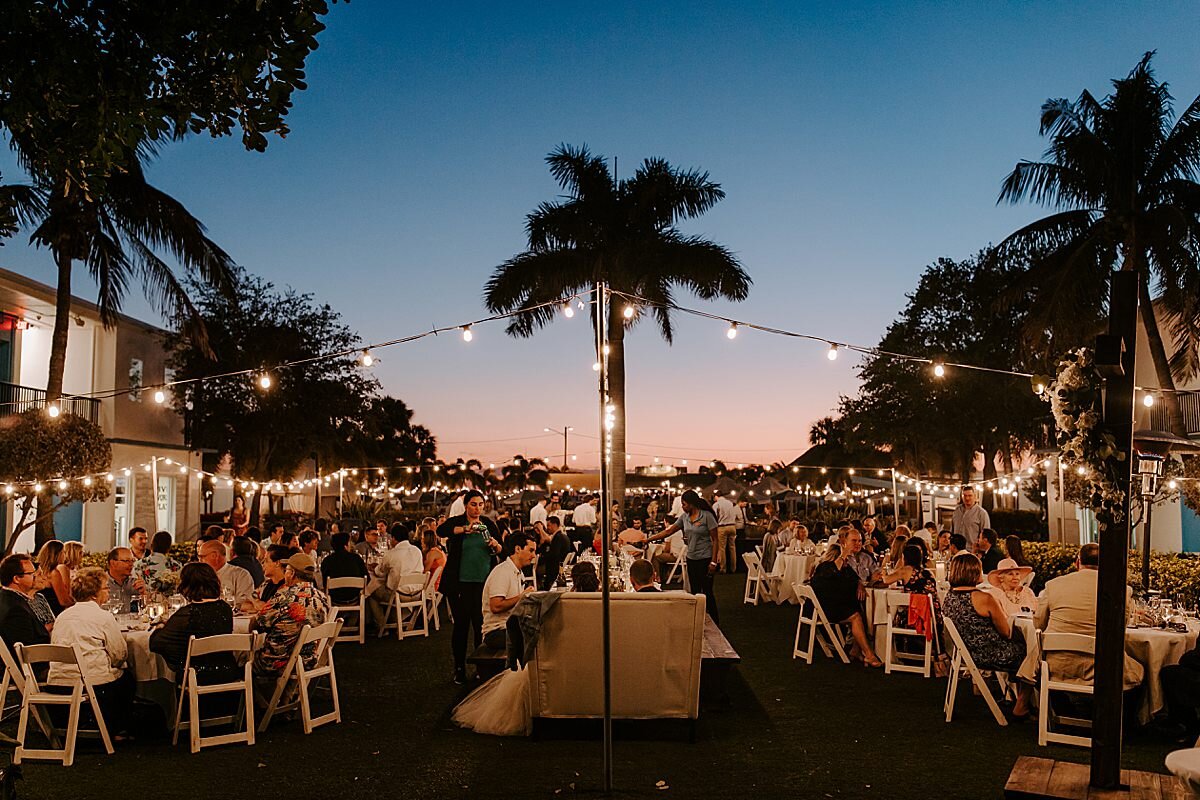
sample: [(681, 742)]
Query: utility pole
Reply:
[(566, 429)]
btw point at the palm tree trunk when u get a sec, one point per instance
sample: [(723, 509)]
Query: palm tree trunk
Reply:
[(1162, 365), (616, 393), (62, 325)]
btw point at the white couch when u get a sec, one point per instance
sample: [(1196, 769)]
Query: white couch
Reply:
[(656, 642)]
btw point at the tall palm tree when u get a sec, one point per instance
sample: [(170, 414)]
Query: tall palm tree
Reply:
[(621, 232), (1122, 178), (115, 233)]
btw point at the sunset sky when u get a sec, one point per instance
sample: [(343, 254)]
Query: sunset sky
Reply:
[(856, 144)]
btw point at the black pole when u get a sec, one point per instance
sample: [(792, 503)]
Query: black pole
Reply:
[(1115, 357), (1148, 504)]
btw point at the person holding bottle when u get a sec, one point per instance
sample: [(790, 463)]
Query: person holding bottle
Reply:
[(474, 543)]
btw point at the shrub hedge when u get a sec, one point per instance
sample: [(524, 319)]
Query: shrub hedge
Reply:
[(1174, 574)]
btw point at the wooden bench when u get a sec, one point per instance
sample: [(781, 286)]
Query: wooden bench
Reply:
[(717, 657), (1039, 778)]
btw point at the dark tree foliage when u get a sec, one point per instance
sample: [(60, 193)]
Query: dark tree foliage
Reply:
[(935, 426), (384, 435)]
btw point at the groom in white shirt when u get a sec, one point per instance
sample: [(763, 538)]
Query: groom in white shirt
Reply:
[(504, 589)]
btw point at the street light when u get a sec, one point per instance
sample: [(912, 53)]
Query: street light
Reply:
[(1149, 469)]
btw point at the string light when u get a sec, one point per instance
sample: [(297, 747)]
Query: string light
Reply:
[(160, 396), (62, 486), (53, 410), (568, 312), (832, 354), (596, 367), (466, 333), (264, 380), (366, 359), (1171, 484), (1147, 400), (732, 332), (939, 370), (628, 312)]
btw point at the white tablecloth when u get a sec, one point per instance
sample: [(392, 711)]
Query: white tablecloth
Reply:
[(789, 569), (877, 614), (148, 666), (1153, 648)]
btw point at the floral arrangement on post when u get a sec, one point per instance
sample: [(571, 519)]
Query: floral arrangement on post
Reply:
[(1084, 444)]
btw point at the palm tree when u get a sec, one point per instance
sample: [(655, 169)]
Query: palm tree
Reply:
[(1122, 178), (621, 232), (116, 233)]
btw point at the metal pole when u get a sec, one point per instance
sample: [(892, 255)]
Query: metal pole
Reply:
[(565, 429), (341, 490), (1062, 503), (1148, 505), (895, 499), (605, 521), (154, 490)]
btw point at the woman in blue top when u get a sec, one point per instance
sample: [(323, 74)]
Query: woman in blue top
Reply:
[(698, 522)]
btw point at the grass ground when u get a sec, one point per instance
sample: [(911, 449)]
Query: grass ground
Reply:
[(790, 730)]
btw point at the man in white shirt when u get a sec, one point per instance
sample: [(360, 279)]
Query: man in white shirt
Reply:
[(584, 517), (402, 569), (676, 507), (458, 507), (726, 535), (538, 513), (504, 588), (234, 580)]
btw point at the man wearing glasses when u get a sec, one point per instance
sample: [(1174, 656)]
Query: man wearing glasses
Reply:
[(122, 585), (18, 623)]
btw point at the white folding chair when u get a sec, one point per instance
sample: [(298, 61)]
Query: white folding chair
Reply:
[(830, 637), (960, 662), (433, 598), (33, 696), (678, 565), (893, 659), (1061, 643), (192, 690), (1028, 579), (531, 578), (14, 677), (753, 591), (293, 683), (351, 633), (413, 600)]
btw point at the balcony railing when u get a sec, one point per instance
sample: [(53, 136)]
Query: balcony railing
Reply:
[(16, 399), (1189, 406)]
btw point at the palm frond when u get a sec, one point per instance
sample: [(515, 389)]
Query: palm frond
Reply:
[(1179, 156), (664, 195), (580, 173), (709, 270), (1044, 183), (531, 278)]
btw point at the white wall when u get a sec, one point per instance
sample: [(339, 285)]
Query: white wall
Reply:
[(35, 358)]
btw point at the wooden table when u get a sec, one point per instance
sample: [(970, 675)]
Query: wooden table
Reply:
[(1038, 778)]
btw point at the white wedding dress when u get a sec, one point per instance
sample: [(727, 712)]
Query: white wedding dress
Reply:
[(499, 707)]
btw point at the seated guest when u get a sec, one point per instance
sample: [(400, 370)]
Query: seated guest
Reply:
[(862, 562), (894, 560), (253, 534), (234, 580), (1068, 605), (297, 604), (800, 542), (288, 540), (370, 547), (988, 550), (641, 575), (785, 533), (632, 539), (309, 539), (153, 566), (432, 553), (343, 562), (204, 615), (94, 634), (504, 588), (665, 558), (245, 555), (927, 534), (584, 577), (983, 626), (139, 542), (1004, 583), (941, 552), (553, 551), (837, 586), (123, 585), (401, 569), (913, 577), (958, 544), (1013, 549), (273, 567), (18, 621), (55, 574), (276, 533), (213, 533)]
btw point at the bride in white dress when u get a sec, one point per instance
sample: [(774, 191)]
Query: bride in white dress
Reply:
[(499, 707)]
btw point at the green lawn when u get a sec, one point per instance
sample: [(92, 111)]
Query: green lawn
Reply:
[(791, 730)]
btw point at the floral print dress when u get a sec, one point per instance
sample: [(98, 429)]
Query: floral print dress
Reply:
[(289, 610)]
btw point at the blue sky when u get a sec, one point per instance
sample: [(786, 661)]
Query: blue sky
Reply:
[(856, 144)]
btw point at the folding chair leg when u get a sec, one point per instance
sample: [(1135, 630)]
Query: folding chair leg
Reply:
[(100, 723), (194, 711), (987, 697), (72, 732), (179, 710)]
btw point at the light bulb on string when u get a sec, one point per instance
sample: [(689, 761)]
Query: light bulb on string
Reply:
[(87, 481), (160, 396), (62, 485), (596, 367), (939, 370), (628, 312), (568, 312), (1172, 484), (53, 410), (264, 380), (467, 334), (366, 359), (732, 332), (833, 353), (1148, 400)]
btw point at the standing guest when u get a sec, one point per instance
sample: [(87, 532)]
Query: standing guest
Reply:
[(459, 505), (538, 512), (988, 550), (204, 615), (862, 562), (969, 517), (18, 621), (273, 566), (297, 604), (138, 541), (985, 629), (238, 517), (641, 575), (123, 585), (234, 580), (309, 540), (1004, 583), (1013, 549), (474, 541), (584, 517), (402, 569), (156, 564), (504, 588), (839, 591), (555, 547), (726, 546), (698, 524), (343, 562), (740, 516), (245, 555), (432, 553), (101, 648), (56, 574)]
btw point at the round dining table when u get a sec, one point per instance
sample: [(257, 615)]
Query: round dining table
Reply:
[(788, 570)]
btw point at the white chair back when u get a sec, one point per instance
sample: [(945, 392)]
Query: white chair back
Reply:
[(829, 637), (297, 675), (893, 659), (357, 610), (961, 661), (191, 691), (1051, 643), (32, 655)]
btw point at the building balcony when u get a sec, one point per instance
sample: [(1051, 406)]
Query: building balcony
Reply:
[(1189, 406), (16, 399)]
